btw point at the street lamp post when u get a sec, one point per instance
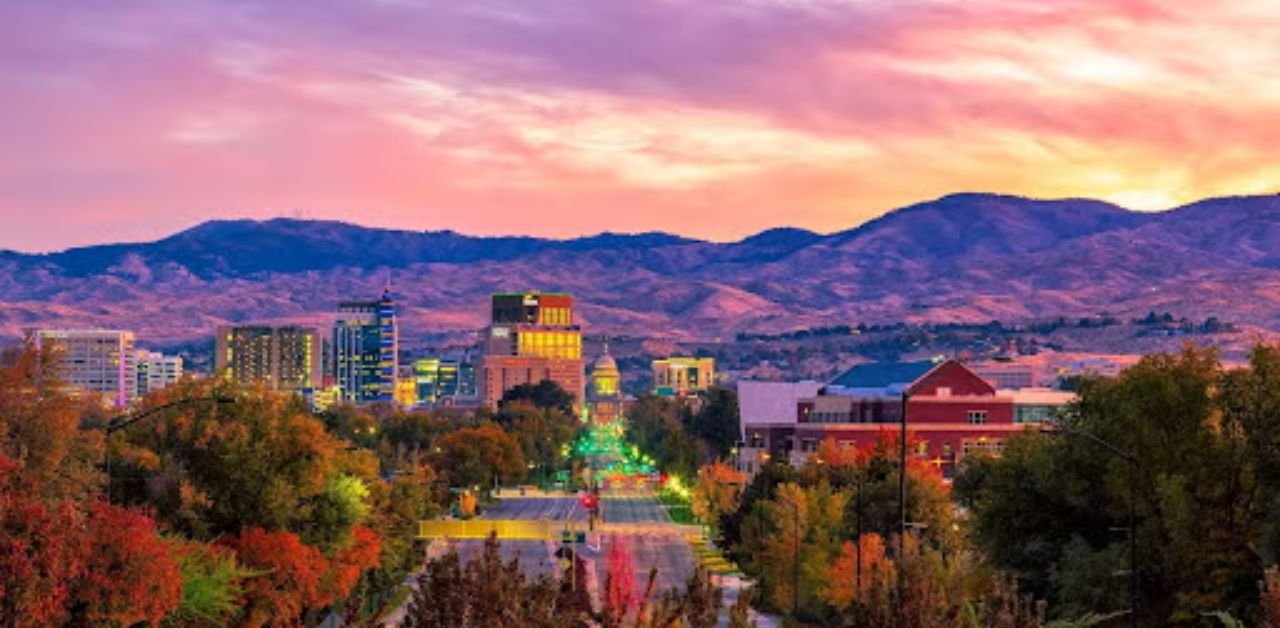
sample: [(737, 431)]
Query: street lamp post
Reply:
[(857, 582), (902, 477), (795, 562), (1133, 508), (123, 421)]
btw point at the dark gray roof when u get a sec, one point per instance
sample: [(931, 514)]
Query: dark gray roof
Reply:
[(883, 374)]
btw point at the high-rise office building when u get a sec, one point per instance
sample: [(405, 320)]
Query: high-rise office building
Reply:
[(283, 357), (531, 338), (94, 361), (156, 371), (366, 347), (439, 381)]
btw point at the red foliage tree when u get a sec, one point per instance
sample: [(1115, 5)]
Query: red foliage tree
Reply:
[(345, 567), (130, 576), (619, 585), (110, 565), (39, 556), (290, 579)]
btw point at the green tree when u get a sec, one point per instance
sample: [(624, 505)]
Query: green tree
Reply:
[(545, 394), (543, 433), (1048, 508), (478, 456), (656, 426), (716, 422)]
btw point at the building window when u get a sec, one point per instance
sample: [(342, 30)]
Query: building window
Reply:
[(977, 417), (990, 447)]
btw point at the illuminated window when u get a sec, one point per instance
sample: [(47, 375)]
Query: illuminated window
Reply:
[(984, 445)]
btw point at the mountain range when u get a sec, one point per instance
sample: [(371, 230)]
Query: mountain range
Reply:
[(963, 257)]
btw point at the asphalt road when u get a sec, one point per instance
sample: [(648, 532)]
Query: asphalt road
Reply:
[(657, 545), (537, 509), (634, 510)]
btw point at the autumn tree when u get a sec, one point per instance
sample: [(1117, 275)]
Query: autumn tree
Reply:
[(40, 427), (478, 456), (130, 575), (716, 492), (39, 559), (485, 592)]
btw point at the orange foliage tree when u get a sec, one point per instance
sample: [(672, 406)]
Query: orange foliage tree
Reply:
[(860, 568), (716, 492)]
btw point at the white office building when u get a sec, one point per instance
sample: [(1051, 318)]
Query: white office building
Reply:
[(94, 361), (156, 371)]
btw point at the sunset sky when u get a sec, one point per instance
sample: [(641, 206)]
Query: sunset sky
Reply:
[(131, 119)]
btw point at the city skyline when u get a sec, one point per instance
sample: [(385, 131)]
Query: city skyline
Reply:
[(714, 120)]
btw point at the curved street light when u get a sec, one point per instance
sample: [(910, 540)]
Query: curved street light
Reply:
[(125, 420)]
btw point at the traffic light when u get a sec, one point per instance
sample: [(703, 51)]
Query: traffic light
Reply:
[(590, 501)]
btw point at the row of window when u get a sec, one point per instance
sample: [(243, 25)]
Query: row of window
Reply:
[(968, 446), (976, 417)]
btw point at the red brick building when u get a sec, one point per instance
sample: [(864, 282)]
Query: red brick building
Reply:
[(951, 412)]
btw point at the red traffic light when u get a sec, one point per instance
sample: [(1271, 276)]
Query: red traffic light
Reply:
[(589, 501)]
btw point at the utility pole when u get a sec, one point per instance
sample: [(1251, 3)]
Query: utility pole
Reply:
[(795, 564), (1134, 467)]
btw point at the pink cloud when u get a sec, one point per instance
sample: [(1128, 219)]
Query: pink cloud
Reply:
[(717, 118)]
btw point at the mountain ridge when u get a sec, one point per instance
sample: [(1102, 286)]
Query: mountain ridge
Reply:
[(965, 256)]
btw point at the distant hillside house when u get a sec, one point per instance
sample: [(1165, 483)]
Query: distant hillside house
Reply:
[(683, 376)]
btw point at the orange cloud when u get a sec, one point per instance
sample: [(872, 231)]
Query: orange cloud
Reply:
[(713, 119)]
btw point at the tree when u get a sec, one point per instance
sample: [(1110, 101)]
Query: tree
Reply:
[(289, 576), (264, 462), (485, 592), (716, 492), (544, 395), (1046, 510), (40, 427), (619, 597), (717, 422), (542, 432), (211, 583), (130, 575), (39, 560), (656, 425), (478, 456), (857, 571), (808, 527)]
